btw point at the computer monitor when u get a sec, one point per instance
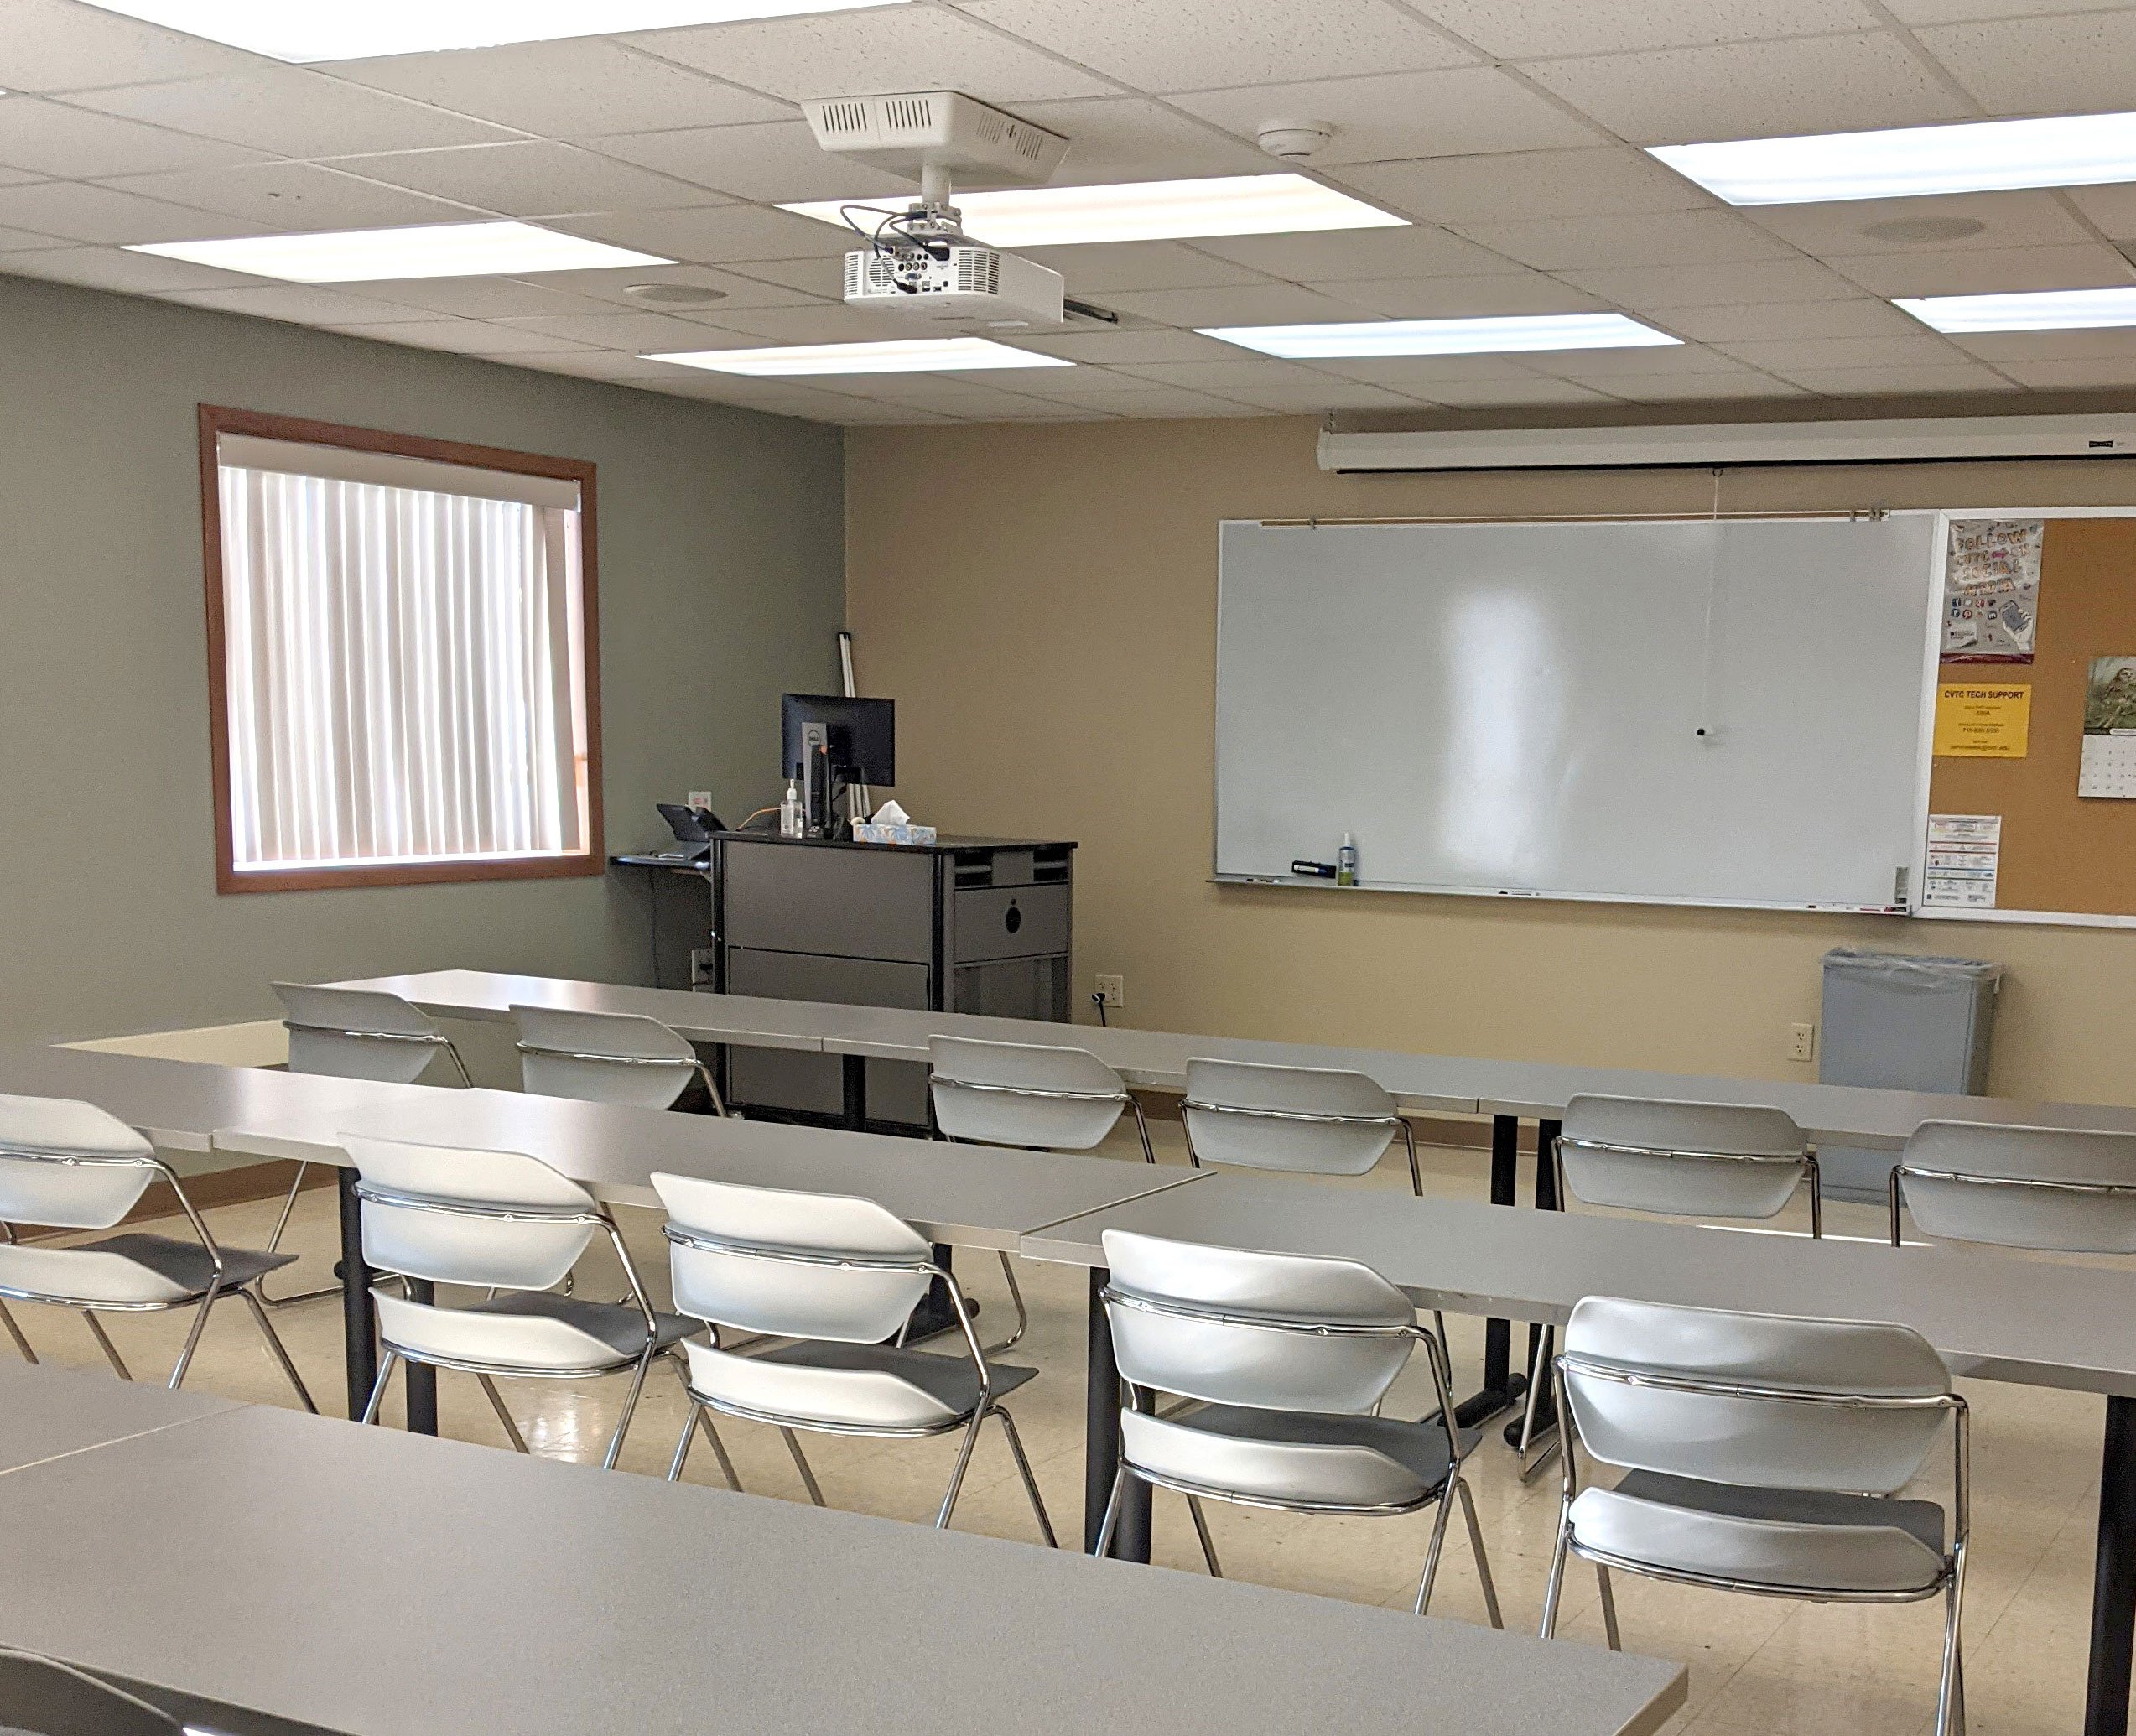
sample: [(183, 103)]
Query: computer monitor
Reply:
[(861, 735)]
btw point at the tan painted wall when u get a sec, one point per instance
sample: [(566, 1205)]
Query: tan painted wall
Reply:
[(1040, 601)]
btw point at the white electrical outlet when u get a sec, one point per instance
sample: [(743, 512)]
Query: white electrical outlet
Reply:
[(1112, 990), (1801, 1043), (700, 798)]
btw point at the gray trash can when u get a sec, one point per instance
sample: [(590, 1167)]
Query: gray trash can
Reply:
[(1905, 1023)]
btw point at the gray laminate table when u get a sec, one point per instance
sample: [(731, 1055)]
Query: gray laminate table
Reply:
[(47, 1413), (393, 1586)]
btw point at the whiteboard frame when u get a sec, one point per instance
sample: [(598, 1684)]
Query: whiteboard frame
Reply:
[(1931, 648)]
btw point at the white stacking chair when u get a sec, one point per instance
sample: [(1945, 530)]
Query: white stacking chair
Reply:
[(608, 1057), (1030, 1096), (1311, 1121), (1289, 1357), (502, 1222), (832, 1277), (70, 1166), (1678, 1160), (42, 1697), (1762, 1454), (2052, 1187), (352, 1034)]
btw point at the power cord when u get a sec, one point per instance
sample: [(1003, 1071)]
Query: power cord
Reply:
[(1098, 1001)]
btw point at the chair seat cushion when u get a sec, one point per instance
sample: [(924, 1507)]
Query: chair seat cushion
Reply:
[(534, 1330), (130, 1269), (865, 1386), (1295, 1458), (1778, 1539)]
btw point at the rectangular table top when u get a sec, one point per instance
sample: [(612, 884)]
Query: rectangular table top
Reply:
[(969, 1196), (46, 1413), (1993, 1315), (380, 1583)]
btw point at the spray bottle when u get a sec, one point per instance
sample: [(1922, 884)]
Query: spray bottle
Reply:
[(1346, 862)]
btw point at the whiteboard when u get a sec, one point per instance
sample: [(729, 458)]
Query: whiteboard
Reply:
[(1515, 710)]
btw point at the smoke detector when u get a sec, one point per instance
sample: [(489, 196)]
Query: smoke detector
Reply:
[(1294, 141)]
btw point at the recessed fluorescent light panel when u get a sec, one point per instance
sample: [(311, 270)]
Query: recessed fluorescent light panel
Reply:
[(899, 356), (1971, 157), (1145, 210), (435, 249), (1444, 337), (2041, 310), (300, 30)]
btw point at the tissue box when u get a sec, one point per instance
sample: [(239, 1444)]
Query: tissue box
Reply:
[(869, 832)]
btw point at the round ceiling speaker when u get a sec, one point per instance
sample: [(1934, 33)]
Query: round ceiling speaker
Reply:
[(674, 295), (1925, 229)]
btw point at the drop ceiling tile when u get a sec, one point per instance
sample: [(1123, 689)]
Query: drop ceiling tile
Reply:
[(1827, 84), (2003, 348), (1329, 394), (826, 325), (2071, 65), (1248, 304), (49, 138), (1596, 365), (534, 179), (1421, 375), (1899, 381), (634, 332), (79, 211), (1518, 292), (574, 89), (1993, 271), (1510, 186), (22, 241), (296, 196), (713, 235), (2071, 375), (464, 337), (1124, 348), (855, 413), (1107, 266), (1683, 238), (950, 394), (2112, 209), (1066, 385), (16, 177), (1863, 317), (110, 268), (796, 280), (1534, 30), (302, 304), (1486, 394), (1333, 256), (1403, 114), (609, 365), (594, 290), (478, 298), (1131, 138), (1220, 377), (1194, 44), (1167, 403), (294, 112), (771, 161), (58, 45), (1958, 12), (1712, 286), (1841, 227), (1694, 389), (895, 48), (1792, 356)]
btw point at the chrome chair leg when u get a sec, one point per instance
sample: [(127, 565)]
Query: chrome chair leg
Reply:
[(193, 1337), (1538, 1383), (629, 1405), (378, 1387), (281, 1351), (274, 1246), (1556, 1584), (1112, 1514), (1432, 1551), (1951, 1693), (963, 1464), (110, 1350), (15, 1332), (496, 1404), (1608, 1608), (801, 1464), (1016, 1296), (1202, 1531), (1030, 1482), (1142, 1127), (1483, 1560)]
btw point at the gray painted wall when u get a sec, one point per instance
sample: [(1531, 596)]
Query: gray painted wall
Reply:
[(721, 586)]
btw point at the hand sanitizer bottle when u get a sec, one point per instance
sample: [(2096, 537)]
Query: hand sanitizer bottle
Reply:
[(790, 810), (1346, 862)]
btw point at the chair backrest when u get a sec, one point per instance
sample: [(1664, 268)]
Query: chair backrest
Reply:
[(1626, 1365), (68, 1166), (456, 1216), (44, 1696), (357, 1033), (1232, 1327), (602, 1057), (1017, 1093), (1978, 1194), (1685, 1159), (801, 1265), (1316, 1120)]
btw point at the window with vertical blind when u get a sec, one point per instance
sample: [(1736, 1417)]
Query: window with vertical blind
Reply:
[(402, 654)]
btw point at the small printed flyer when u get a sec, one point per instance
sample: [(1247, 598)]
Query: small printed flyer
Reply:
[(1963, 852), (1990, 589)]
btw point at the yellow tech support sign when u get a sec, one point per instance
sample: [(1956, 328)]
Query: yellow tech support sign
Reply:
[(1978, 721)]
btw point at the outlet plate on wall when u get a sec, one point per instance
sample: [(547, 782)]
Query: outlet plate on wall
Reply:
[(1112, 989), (1801, 1043)]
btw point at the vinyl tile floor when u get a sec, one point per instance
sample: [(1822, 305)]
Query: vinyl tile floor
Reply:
[(1756, 1664)]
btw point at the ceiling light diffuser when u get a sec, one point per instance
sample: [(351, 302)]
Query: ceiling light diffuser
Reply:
[(898, 356), (2037, 310), (1968, 157), (1143, 211), (1444, 337), (301, 31), (435, 249)]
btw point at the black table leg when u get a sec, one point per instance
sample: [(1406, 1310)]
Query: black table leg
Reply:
[(358, 1319), (1502, 1388), (2113, 1586), (1101, 1444), (855, 1073), (1547, 1200), (422, 1389)]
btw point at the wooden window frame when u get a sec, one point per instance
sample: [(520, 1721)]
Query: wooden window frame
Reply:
[(217, 420)]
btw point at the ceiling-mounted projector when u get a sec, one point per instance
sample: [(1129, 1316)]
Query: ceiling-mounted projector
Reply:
[(918, 261)]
